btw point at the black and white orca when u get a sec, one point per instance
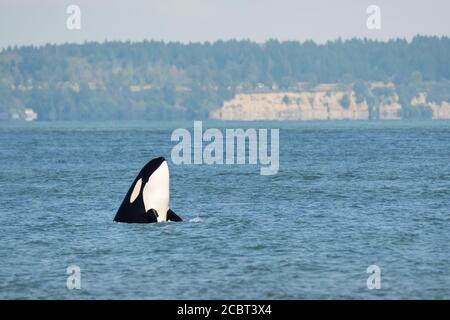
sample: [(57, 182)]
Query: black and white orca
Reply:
[(147, 200)]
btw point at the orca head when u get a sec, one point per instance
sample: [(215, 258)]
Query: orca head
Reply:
[(144, 176), (148, 197)]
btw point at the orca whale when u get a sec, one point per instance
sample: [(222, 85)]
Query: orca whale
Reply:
[(147, 199)]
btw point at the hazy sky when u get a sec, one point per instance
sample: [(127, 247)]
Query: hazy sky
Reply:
[(39, 22)]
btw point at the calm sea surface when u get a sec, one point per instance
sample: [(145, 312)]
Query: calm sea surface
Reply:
[(347, 195)]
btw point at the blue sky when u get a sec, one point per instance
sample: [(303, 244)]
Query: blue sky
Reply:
[(39, 22)]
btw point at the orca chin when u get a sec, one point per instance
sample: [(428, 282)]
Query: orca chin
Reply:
[(147, 200)]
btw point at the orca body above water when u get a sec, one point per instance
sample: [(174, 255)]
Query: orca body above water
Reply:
[(147, 200)]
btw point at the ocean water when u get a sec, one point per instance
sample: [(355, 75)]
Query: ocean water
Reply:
[(347, 195)]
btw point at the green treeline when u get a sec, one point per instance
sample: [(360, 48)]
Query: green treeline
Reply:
[(156, 80)]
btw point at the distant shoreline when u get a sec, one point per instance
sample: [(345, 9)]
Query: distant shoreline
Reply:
[(352, 79)]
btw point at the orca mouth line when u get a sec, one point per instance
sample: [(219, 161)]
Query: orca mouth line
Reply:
[(147, 200)]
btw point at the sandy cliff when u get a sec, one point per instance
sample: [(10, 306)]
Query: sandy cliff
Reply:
[(313, 105), (323, 102)]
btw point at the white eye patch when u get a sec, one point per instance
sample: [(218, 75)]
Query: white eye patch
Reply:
[(136, 190)]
